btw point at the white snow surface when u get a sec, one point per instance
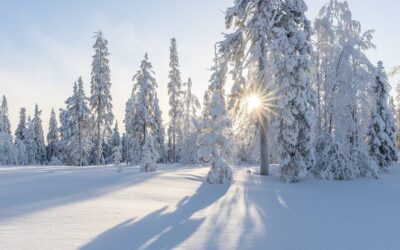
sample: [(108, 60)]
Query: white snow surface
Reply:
[(174, 208)]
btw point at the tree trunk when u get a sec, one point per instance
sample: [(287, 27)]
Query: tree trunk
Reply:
[(264, 161)]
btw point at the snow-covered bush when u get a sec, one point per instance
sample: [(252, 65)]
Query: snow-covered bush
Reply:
[(330, 163)]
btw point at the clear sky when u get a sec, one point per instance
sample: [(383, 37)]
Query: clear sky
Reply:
[(46, 45)]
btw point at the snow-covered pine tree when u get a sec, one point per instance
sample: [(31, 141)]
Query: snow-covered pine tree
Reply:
[(188, 149), (291, 50), (19, 132), (159, 132), (398, 114), (175, 101), (131, 147), (29, 141), (7, 150), (100, 99), (213, 141), (144, 127), (21, 154), (53, 141), (247, 48), (381, 135), (115, 144), (36, 123), (4, 120), (77, 127)]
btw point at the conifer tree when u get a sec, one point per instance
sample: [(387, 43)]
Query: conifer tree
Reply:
[(115, 144), (188, 149), (36, 123), (100, 99), (29, 141), (144, 125), (175, 101), (291, 50), (213, 141), (381, 135), (19, 133), (4, 119), (53, 140), (77, 126)]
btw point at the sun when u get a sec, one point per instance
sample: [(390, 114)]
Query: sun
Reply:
[(253, 102)]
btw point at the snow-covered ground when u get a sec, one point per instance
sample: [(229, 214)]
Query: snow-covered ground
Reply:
[(98, 208)]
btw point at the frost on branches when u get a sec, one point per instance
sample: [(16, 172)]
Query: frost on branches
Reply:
[(188, 149), (292, 50), (175, 101), (342, 83), (213, 142), (100, 99), (381, 135), (144, 126), (76, 128)]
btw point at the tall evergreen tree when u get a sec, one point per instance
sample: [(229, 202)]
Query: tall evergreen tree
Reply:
[(7, 151), (115, 144), (36, 124), (252, 21), (175, 101), (381, 135), (31, 148), (188, 149), (100, 100), (19, 133), (145, 125), (213, 141), (4, 119), (292, 50), (53, 140), (159, 131), (77, 127)]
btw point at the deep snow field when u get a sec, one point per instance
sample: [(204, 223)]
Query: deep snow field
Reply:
[(98, 208)]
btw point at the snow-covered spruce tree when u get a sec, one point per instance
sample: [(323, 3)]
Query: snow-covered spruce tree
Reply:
[(76, 127), (188, 149), (398, 114), (247, 47), (115, 144), (159, 132), (4, 120), (7, 150), (144, 127), (36, 123), (175, 101), (19, 132), (29, 141), (291, 52), (132, 144), (53, 140), (100, 99), (213, 141), (381, 135), (20, 147)]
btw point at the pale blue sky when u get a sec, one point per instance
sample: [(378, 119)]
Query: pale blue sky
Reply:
[(46, 45)]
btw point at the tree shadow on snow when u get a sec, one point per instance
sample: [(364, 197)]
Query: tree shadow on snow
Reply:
[(35, 190), (161, 229)]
